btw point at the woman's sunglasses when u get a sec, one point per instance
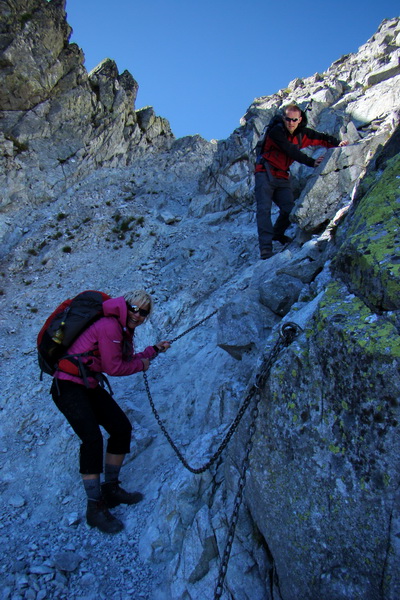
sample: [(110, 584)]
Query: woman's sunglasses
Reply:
[(135, 309)]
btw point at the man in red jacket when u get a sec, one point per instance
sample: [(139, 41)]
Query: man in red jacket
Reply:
[(272, 178)]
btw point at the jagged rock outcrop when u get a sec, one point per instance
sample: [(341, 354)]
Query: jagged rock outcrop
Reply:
[(328, 423), (308, 492), (57, 122), (320, 512), (345, 101)]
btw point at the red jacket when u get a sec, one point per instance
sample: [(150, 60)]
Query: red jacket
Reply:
[(111, 343), (281, 148)]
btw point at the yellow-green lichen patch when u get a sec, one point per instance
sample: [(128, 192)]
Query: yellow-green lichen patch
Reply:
[(369, 259), (359, 326)]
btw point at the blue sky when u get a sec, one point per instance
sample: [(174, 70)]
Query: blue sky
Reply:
[(201, 63)]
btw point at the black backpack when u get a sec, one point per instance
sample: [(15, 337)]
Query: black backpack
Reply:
[(63, 326), (276, 119)]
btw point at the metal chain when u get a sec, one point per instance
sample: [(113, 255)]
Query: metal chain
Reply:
[(178, 337), (287, 333), (236, 200), (237, 504)]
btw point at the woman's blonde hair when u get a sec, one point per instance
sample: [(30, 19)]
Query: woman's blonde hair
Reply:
[(139, 298)]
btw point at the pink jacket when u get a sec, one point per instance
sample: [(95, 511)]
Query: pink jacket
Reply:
[(112, 343)]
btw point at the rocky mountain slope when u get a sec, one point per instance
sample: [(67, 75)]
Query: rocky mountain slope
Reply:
[(96, 194)]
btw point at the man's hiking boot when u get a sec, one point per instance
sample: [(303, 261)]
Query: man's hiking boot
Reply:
[(113, 495), (98, 515), (283, 239), (266, 253)]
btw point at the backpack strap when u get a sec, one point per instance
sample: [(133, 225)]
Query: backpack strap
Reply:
[(80, 369), (260, 160), (299, 140)]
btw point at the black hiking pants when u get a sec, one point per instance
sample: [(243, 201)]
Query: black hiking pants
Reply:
[(86, 410), (270, 189)]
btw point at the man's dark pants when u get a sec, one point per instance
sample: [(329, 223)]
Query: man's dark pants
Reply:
[(270, 189)]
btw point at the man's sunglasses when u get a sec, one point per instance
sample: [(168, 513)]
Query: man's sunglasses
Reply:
[(288, 119), (135, 309)]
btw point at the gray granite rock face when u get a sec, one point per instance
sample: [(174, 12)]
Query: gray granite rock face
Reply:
[(97, 194), (58, 122)]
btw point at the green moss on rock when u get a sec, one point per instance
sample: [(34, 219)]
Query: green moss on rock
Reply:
[(369, 259), (359, 326)]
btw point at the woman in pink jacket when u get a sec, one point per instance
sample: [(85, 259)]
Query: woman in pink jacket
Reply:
[(86, 404)]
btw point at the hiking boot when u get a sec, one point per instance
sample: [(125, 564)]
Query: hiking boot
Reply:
[(113, 495), (266, 253), (98, 515), (283, 239)]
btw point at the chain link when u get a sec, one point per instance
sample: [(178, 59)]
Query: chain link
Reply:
[(235, 424), (287, 334), (236, 504), (178, 337)]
